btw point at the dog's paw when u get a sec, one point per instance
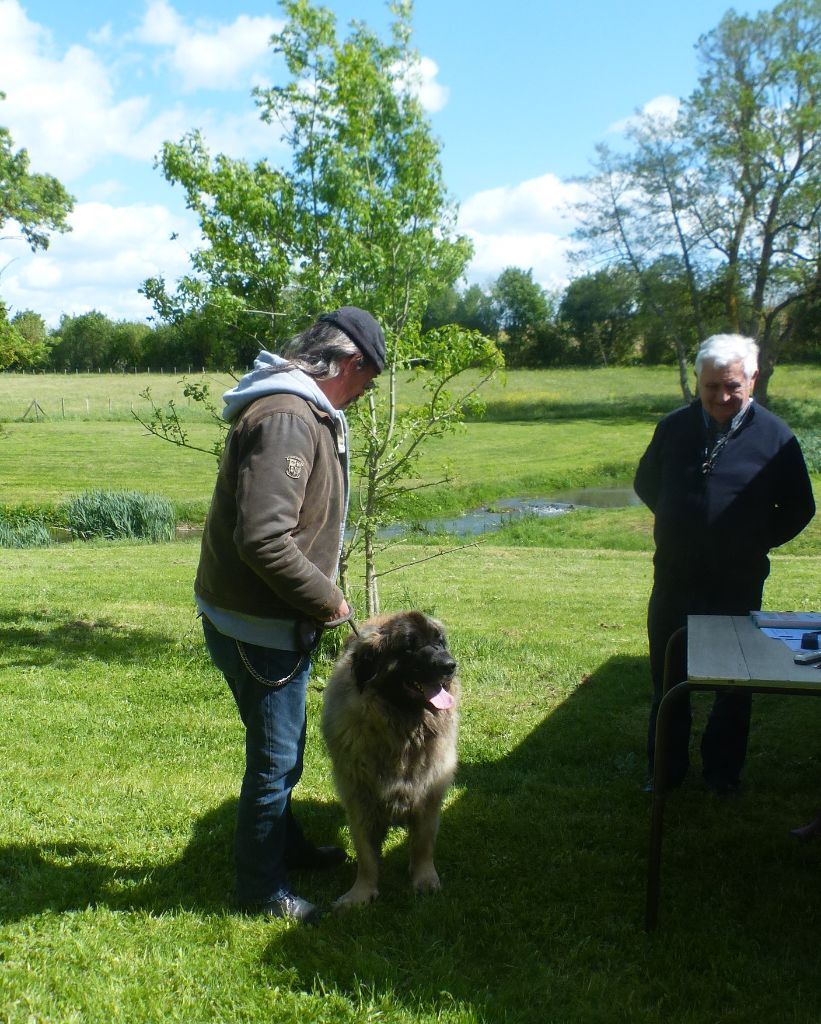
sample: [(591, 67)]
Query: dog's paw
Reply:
[(425, 880), (358, 896)]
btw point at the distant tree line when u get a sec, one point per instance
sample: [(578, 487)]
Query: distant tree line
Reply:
[(93, 341), (606, 318)]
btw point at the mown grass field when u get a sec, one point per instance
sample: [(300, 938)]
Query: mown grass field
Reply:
[(544, 431), (122, 756)]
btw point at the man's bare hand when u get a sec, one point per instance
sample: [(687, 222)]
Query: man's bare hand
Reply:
[(342, 612)]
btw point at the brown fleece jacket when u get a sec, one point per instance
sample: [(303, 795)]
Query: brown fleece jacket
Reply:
[(271, 539)]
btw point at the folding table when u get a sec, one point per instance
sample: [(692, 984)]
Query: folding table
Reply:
[(723, 652)]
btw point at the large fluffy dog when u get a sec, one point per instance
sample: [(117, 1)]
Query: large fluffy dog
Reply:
[(390, 722)]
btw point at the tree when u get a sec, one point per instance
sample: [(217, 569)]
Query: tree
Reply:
[(473, 308), (24, 341), (127, 346), (522, 310), (756, 120), (731, 188), (37, 204), (10, 340), (600, 311), (477, 312), (83, 342), (361, 217)]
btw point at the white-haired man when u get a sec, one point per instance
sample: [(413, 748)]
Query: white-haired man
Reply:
[(727, 482)]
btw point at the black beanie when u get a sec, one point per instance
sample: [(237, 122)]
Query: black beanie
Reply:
[(363, 331)]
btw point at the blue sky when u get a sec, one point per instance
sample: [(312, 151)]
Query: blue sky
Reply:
[(519, 93)]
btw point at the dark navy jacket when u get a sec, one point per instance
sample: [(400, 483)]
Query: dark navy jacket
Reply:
[(757, 496)]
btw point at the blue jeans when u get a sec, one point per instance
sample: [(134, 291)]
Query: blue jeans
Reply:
[(267, 835)]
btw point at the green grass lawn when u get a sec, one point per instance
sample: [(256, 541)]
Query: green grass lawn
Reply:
[(122, 759), (122, 756), (514, 394), (544, 431)]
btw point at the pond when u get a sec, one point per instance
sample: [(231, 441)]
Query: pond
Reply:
[(506, 510), (483, 520)]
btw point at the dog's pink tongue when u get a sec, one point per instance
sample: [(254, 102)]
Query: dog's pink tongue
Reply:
[(440, 698)]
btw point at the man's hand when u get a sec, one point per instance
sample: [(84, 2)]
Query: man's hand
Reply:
[(342, 613)]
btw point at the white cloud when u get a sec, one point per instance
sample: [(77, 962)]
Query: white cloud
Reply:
[(525, 225), (432, 94), (161, 25), (66, 110), (661, 108), (62, 107), (544, 203), (210, 55), (420, 78), (546, 254), (245, 134), (227, 57), (101, 263), (104, 36), (18, 36)]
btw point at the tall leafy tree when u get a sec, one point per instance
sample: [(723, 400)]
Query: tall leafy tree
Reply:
[(360, 217), (32, 206), (523, 310), (37, 203), (477, 311), (731, 188), (83, 342), (24, 341), (599, 309)]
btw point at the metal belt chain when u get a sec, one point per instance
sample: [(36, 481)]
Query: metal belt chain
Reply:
[(276, 684)]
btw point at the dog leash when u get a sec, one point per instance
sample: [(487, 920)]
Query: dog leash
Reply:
[(333, 623)]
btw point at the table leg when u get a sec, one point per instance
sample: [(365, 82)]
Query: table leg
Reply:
[(670, 696)]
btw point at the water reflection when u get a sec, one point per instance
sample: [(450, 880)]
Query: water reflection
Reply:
[(507, 510)]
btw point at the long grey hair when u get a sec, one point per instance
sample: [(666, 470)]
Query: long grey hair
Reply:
[(319, 350)]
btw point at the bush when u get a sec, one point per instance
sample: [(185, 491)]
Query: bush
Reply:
[(117, 514), (19, 534), (28, 512)]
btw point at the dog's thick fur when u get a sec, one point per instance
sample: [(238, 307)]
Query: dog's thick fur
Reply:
[(389, 721)]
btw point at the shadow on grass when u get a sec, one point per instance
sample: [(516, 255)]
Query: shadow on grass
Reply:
[(800, 414), (29, 639), (535, 849), (543, 853), (61, 877), (629, 408)]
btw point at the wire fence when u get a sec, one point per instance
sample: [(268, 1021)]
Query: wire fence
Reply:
[(123, 371), (90, 408), (50, 397)]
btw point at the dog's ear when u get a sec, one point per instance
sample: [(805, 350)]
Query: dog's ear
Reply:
[(366, 658)]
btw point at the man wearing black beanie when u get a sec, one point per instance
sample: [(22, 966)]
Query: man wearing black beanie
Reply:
[(266, 581)]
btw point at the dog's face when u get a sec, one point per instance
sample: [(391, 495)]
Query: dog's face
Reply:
[(406, 660)]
